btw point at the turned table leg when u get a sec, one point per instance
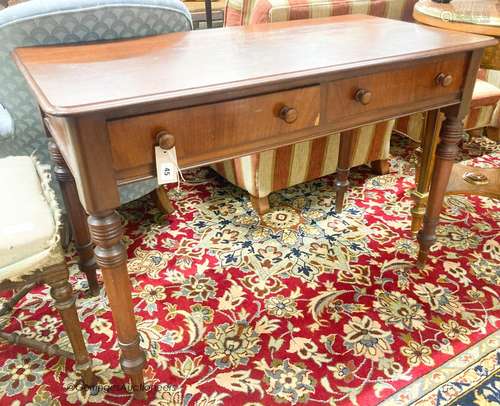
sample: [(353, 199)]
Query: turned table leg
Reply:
[(77, 217), (106, 231), (62, 293), (446, 153), (425, 166), (348, 140)]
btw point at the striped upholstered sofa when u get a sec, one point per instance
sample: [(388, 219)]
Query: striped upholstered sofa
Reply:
[(261, 174), (244, 12)]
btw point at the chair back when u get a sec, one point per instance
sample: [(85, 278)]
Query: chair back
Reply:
[(53, 22)]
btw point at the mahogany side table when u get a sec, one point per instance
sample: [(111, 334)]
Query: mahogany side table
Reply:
[(107, 131)]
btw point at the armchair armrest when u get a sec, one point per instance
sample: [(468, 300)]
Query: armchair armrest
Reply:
[(6, 123), (490, 76)]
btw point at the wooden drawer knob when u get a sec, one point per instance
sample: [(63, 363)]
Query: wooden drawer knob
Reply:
[(165, 140), (288, 114), (444, 80), (363, 96)]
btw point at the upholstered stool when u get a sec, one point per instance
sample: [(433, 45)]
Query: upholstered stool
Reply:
[(30, 253)]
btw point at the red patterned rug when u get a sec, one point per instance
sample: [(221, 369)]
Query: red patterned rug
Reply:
[(299, 306)]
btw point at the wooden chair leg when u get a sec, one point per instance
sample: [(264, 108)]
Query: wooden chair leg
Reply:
[(61, 291), (260, 204), (478, 132), (163, 201), (493, 133), (381, 166), (348, 142), (49, 349), (9, 305)]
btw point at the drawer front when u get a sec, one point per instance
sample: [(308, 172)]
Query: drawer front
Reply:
[(211, 132), (396, 89)]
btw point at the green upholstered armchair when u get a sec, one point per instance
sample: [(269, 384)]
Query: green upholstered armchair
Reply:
[(50, 22)]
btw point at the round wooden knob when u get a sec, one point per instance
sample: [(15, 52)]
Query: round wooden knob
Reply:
[(363, 96), (444, 80), (165, 140), (288, 114)]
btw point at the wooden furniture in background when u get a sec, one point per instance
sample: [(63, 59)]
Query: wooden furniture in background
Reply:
[(480, 17), (474, 16), (97, 122)]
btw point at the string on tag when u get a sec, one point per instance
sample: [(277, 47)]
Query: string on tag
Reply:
[(173, 159)]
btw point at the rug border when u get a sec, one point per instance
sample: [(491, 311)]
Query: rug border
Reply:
[(427, 383)]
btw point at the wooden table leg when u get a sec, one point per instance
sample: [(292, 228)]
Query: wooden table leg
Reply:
[(446, 153), (425, 166), (348, 141), (106, 231), (77, 217)]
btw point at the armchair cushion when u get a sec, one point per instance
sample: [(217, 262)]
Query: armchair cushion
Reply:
[(29, 219), (6, 123)]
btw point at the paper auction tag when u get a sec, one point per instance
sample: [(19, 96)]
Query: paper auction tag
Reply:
[(166, 165)]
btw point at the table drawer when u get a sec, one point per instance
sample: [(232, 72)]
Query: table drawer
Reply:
[(211, 132), (352, 97)]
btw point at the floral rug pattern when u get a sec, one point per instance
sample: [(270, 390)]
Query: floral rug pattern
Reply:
[(298, 306)]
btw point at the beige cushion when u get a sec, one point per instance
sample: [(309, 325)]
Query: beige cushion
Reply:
[(28, 218), (485, 94)]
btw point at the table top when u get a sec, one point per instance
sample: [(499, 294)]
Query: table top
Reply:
[(78, 79), (475, 16)]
